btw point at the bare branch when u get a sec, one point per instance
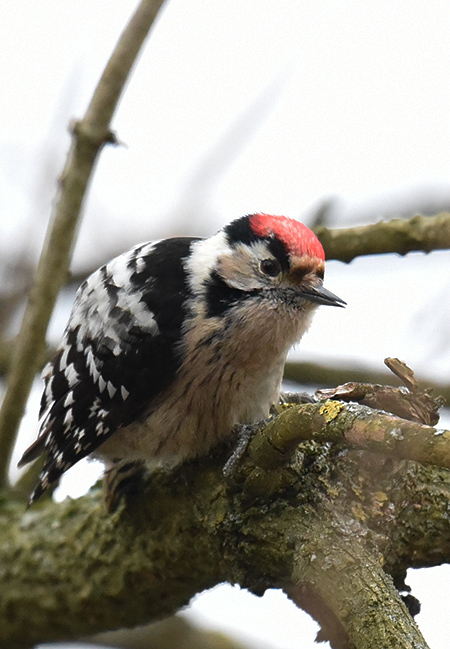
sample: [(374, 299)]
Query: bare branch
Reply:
[(411, 402), (422, 233), (327, 375), (89, 136)]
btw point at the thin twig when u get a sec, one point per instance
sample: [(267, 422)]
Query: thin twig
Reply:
[(89, 136), (330, 376)]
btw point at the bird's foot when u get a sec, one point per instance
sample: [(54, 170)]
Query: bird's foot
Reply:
[(245, 434), (122, 479)]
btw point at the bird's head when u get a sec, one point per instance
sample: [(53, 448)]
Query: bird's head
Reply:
[(275, 257)]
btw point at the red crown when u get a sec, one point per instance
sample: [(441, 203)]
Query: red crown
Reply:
[(298, 239)]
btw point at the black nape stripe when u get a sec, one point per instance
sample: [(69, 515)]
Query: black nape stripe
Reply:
[(240, 231)]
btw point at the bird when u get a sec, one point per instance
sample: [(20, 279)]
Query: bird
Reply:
[(172, 345)]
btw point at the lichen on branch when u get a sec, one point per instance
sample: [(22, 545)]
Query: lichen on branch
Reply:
[(71, 570)]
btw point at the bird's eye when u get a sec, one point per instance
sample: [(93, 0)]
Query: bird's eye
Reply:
[(270, 267)]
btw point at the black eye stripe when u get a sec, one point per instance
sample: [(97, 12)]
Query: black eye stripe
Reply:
[(277, 249)]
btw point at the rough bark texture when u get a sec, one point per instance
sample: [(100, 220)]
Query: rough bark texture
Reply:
[(327, 523)]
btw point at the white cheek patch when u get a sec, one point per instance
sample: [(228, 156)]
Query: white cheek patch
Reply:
[(241, 270)]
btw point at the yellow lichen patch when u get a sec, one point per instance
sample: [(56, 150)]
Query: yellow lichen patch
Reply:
[(380, 496), (444, 434), (358, 512), (333, 492), (330, 410), (379, 502)]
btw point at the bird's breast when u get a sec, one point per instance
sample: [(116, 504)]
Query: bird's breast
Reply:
[(230, 374)]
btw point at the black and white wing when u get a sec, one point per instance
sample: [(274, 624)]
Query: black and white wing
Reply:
[(119, 351)]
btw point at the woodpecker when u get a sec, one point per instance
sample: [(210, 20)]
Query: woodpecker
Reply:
[(173, 344)]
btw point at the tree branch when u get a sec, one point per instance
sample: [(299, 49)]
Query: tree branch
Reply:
[(327, 375), (355, 600), (89, 136), (349, 425), (71, 570), (418, 233), (422, 233)]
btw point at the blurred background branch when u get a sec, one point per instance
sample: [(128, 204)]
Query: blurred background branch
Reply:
[(173, 632), (420, 233)]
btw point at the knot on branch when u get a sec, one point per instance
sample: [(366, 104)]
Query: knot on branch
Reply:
[(92, 135)]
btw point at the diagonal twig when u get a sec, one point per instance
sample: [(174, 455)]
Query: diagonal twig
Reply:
[(89, 136)]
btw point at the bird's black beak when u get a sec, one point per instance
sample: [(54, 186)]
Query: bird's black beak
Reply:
[(321, 295)]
